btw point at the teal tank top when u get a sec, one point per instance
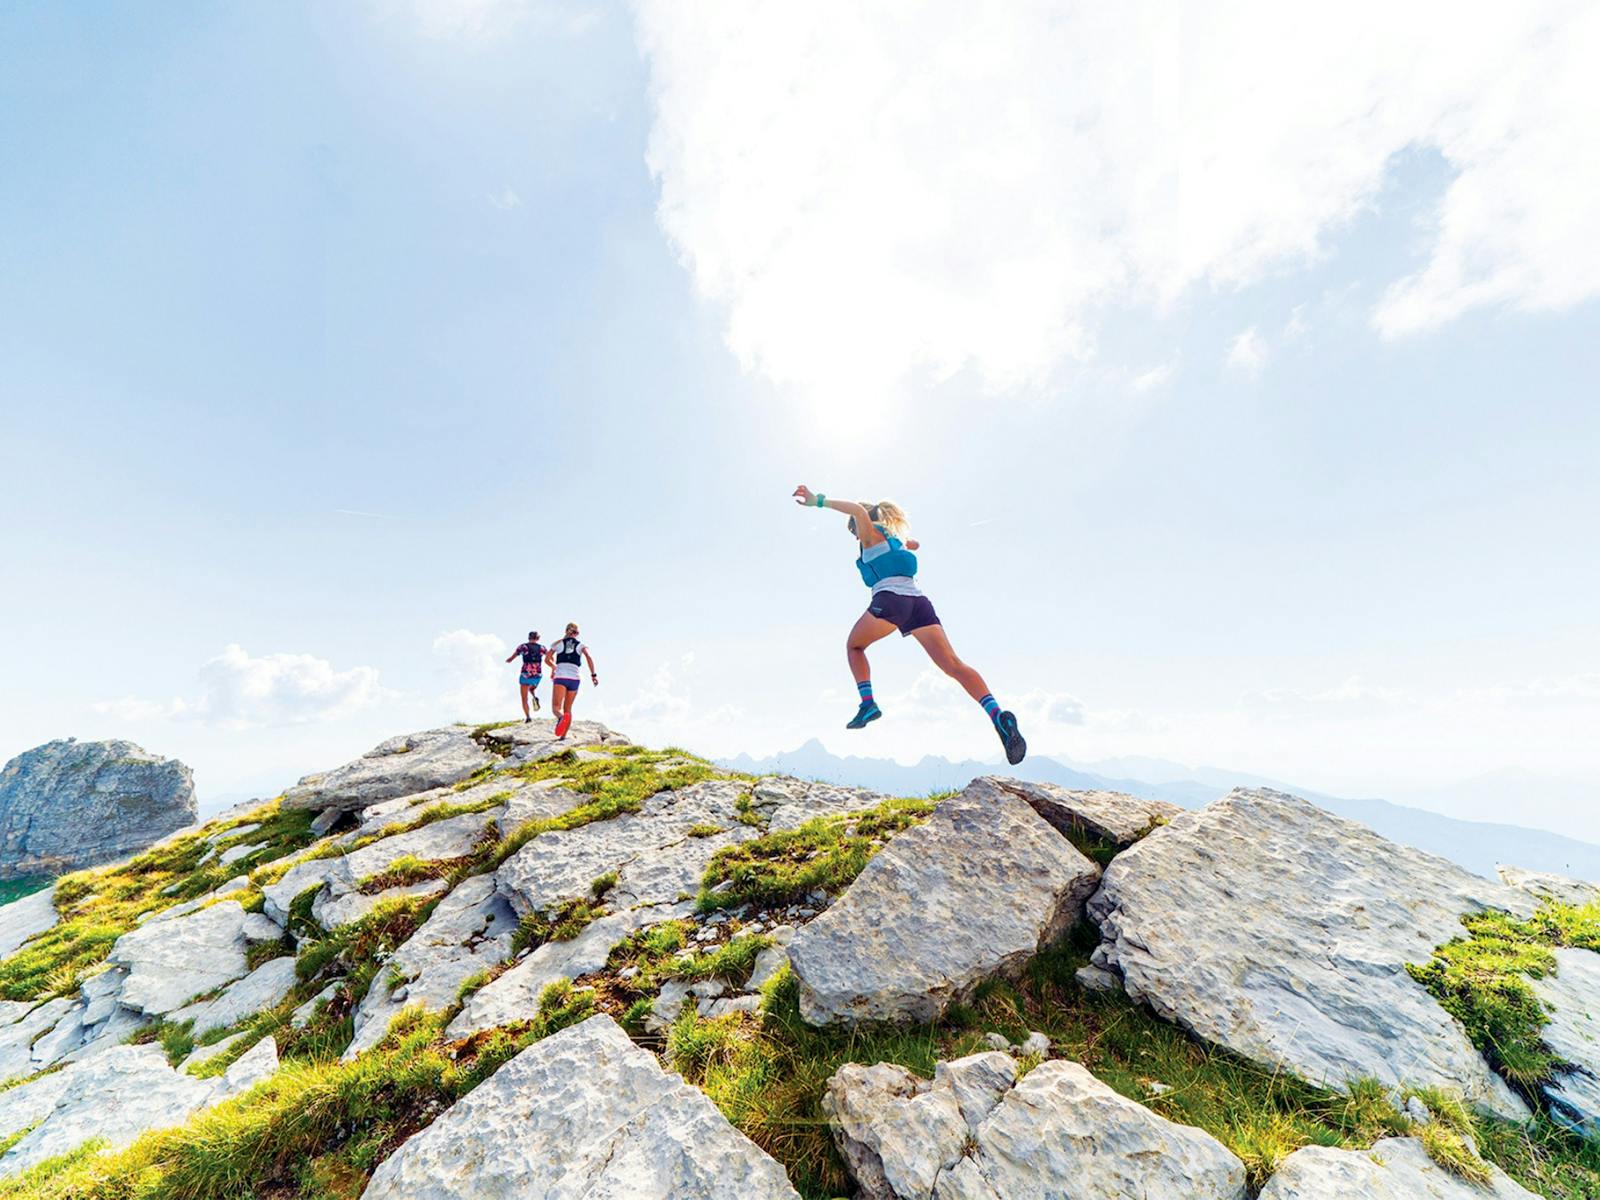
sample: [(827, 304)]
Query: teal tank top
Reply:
[(886, 560)]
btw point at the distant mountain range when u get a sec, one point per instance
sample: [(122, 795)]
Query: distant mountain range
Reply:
[(1476, 845)]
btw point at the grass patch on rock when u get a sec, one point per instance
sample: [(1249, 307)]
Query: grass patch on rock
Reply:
[(826, 853), (1483, 981)]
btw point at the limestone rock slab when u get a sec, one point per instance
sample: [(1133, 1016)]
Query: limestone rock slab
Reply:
[(400, 766), (1394, 1169), (263, 988), (1263, 924), (976, 890), (514, 996), (1572, 1034), (115, 1096), (583, 1113), (168, 963), (561, 865), (470, 931), (26, 918), (1115, 816)]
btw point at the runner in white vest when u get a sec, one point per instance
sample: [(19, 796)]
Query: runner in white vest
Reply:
[(565, 659)]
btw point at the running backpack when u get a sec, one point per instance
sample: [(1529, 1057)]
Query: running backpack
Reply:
[(568, 652)]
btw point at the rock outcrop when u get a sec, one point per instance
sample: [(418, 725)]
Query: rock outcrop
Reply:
[(1267, 926), (70, 804), (583, 1113), (975, 1133), (974, 891), (401, 766), (1394, 1169)]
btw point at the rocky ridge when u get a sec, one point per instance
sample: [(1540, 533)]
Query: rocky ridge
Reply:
[(589, 936)]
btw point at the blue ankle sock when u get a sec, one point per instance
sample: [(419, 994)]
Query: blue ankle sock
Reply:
[(991, 706), (865, 688)]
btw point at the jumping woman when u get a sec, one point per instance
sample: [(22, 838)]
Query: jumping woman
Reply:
[(531, 673), (565, 658), (889, 567)]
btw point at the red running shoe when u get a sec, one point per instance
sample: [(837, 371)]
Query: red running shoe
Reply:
[(563, 724)]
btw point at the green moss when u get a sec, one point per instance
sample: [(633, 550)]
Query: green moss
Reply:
[(826, 853)]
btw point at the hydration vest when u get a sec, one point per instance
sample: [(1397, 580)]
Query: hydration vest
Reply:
[(532, 655), (896, 560), (567, 651)]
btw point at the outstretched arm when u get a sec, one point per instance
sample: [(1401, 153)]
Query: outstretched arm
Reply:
[(865, 529), (592, 676), (512, 655)]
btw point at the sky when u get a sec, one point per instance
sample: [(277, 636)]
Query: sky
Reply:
[(1239, 375)]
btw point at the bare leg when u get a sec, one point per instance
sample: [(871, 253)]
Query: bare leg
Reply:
[(560, 700), (525, 690), (937, 645), (867, 630)]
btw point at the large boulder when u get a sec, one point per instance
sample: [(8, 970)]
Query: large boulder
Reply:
[(1394, 1169), (1572, 1000), (1263, 924), (1115, 817), (976, 890), (26, 918), (70, 804), (587, 1113), (401, 766), (975, 1133)]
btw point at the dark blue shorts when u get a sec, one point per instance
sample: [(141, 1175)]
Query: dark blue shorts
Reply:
[(908, 613), (570, 684)]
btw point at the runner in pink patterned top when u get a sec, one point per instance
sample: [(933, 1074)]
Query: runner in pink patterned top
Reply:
[(531, 673)]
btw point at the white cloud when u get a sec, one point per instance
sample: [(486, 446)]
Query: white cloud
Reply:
[(884, 193), (1154, 377), (664, 707), (1352, 698), (477, 679), (505, 199), (241, 691), (1247, 352)]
